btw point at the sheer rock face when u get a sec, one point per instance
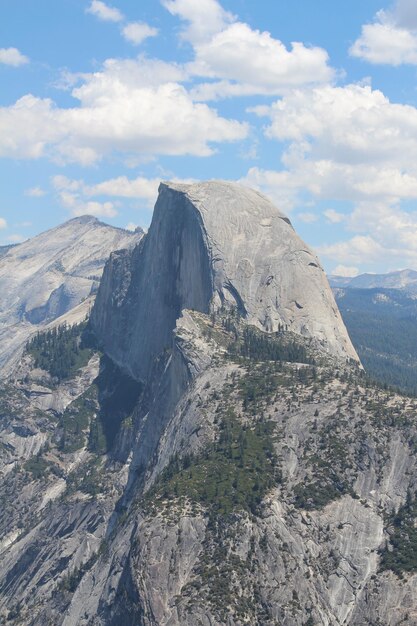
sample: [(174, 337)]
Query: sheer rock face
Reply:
[(47, 277), (214, 244), (102, 536)]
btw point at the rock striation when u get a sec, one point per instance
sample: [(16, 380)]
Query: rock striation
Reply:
[(46, 277), (197, 468), (210, 246)]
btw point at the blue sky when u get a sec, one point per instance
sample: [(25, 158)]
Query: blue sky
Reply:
[(313, 103)]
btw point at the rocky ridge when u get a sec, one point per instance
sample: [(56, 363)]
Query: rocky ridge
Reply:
[(210, 246), (50, 275), (232, 475)]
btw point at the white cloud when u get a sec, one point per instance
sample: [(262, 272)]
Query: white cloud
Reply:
[(131, 226), (79, 207), (141, 188), (98, 209), (134, 108), (334, 217), (346, 142), (35, 192), (61, 182), (282, 186), (385, 43), (3, 223), (345, 270), (205, 17), (252, 62), (307, 218), (392, 38), (239, 60), (13, 57), (357, 250), (104, 12), (16, 238), (137, 32), (72, 196), (383, 232), (76, 195)]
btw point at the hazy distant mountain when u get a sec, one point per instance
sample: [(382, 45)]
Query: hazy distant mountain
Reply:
[(382, 324), (401, 279), (52, 274)]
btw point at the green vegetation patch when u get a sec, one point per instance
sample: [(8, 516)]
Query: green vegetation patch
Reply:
[(400, 554), (90, 479), (331, 470), (317, 494), (37, 466), (61, 351), (232, 474), (75, 421), (259, 346)]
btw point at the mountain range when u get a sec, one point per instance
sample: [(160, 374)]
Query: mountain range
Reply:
[(206, 448), (380, 313), (401, 279)]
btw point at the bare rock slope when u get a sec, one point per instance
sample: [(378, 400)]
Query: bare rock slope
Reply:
[(45, 277), (212, 245), (196, 468)]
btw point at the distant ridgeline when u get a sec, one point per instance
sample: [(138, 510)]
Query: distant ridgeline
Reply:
[(382, 324)]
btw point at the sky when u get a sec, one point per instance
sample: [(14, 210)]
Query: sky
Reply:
[(312, 103)]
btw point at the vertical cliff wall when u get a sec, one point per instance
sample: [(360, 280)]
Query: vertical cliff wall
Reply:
[(209, 245)]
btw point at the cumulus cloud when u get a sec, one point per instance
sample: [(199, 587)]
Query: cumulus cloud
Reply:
[(205, 18), (307, 217), (35, 192), (252, 62), (391, 38), (129, 107), (348, 144), (16, 238), (3, 223), (383, 232), (137, 32), (141, 188), (334, 217), (98, 209), (357, 250), (345, 270), (72, 197), (239, 60), (80, 197), (13, 57), (104, 12)]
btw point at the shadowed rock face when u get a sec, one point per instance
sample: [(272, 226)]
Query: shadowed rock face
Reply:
[(236, 490), (210, 245)]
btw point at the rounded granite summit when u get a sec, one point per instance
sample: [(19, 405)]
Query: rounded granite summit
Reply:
[(212, 245), (260, 262)]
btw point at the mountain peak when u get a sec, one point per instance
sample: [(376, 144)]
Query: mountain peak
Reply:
[(211, 246), (83, 219), (51, 274), (217, 196)]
